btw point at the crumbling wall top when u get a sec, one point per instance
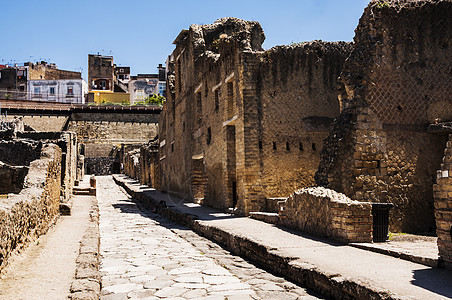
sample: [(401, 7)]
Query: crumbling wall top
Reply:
[(248, 35)]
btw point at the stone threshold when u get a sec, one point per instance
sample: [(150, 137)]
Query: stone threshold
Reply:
[(309, 276)]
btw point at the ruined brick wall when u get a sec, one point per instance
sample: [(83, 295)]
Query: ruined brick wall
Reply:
[(203, 112), (228, 101), (67, 141), (443, 206), (298, 101), (327, 213), (394, 83), (149, 165), (43, 123), (28, 214), (131, 161)]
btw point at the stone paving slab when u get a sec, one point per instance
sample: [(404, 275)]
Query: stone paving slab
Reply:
[(333, 269), (144, 255)]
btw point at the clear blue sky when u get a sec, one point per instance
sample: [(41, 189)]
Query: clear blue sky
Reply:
[(139, 34)]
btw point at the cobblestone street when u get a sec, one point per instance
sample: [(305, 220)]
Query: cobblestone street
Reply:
[(144, 255)]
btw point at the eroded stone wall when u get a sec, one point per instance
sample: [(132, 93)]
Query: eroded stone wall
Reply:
[(298, 102), (243, 124), (327, 213), (443, 206), (28, 214), (394, 83)]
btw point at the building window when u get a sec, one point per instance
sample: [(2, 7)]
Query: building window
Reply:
[(209, 136), (37, 92), (103, 84), (260, 145), (274, 145), (199, 106), (179, 76), (140, 95), (230, 99), (162, 88), (70, 91), (96, 61), (314, 148), (217, 100), (287, 146), (52, 91), (300, 146)]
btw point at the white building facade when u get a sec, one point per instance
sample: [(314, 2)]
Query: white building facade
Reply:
[(60, 90)]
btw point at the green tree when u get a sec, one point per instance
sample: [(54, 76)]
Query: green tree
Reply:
[(155, 100)]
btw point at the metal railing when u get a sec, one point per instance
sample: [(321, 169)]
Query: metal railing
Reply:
[(40, 97)]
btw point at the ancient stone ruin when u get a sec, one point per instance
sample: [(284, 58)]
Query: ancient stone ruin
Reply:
[(37, 173), (245, 125), (245, 128)]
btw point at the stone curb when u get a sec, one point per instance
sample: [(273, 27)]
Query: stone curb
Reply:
[(429, 262), (87, 284), (329, 285)]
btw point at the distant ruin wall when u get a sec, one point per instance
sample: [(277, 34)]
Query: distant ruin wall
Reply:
[(395, 82), (101, 133), (102, 165), (28, 214), (329, 214)]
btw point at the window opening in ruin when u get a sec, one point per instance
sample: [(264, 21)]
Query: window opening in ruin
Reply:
[(230, 99), (217, 100), (314, 147), (179, 74), (260, 145), (300, 146), (287, 146), (209, 136), (234, 194), (199, 106), (274, 145), (172, 147), (231, 166), (183, 126)]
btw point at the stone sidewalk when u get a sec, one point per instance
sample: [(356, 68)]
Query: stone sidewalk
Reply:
[(334, 270), (146, 256)]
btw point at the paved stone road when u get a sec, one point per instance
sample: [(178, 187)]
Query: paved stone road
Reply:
[(143, 255)]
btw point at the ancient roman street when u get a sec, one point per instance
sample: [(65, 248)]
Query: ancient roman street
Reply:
[(191, 154), (143, 255)]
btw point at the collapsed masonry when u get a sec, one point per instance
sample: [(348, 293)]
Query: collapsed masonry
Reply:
[(37, 174)]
